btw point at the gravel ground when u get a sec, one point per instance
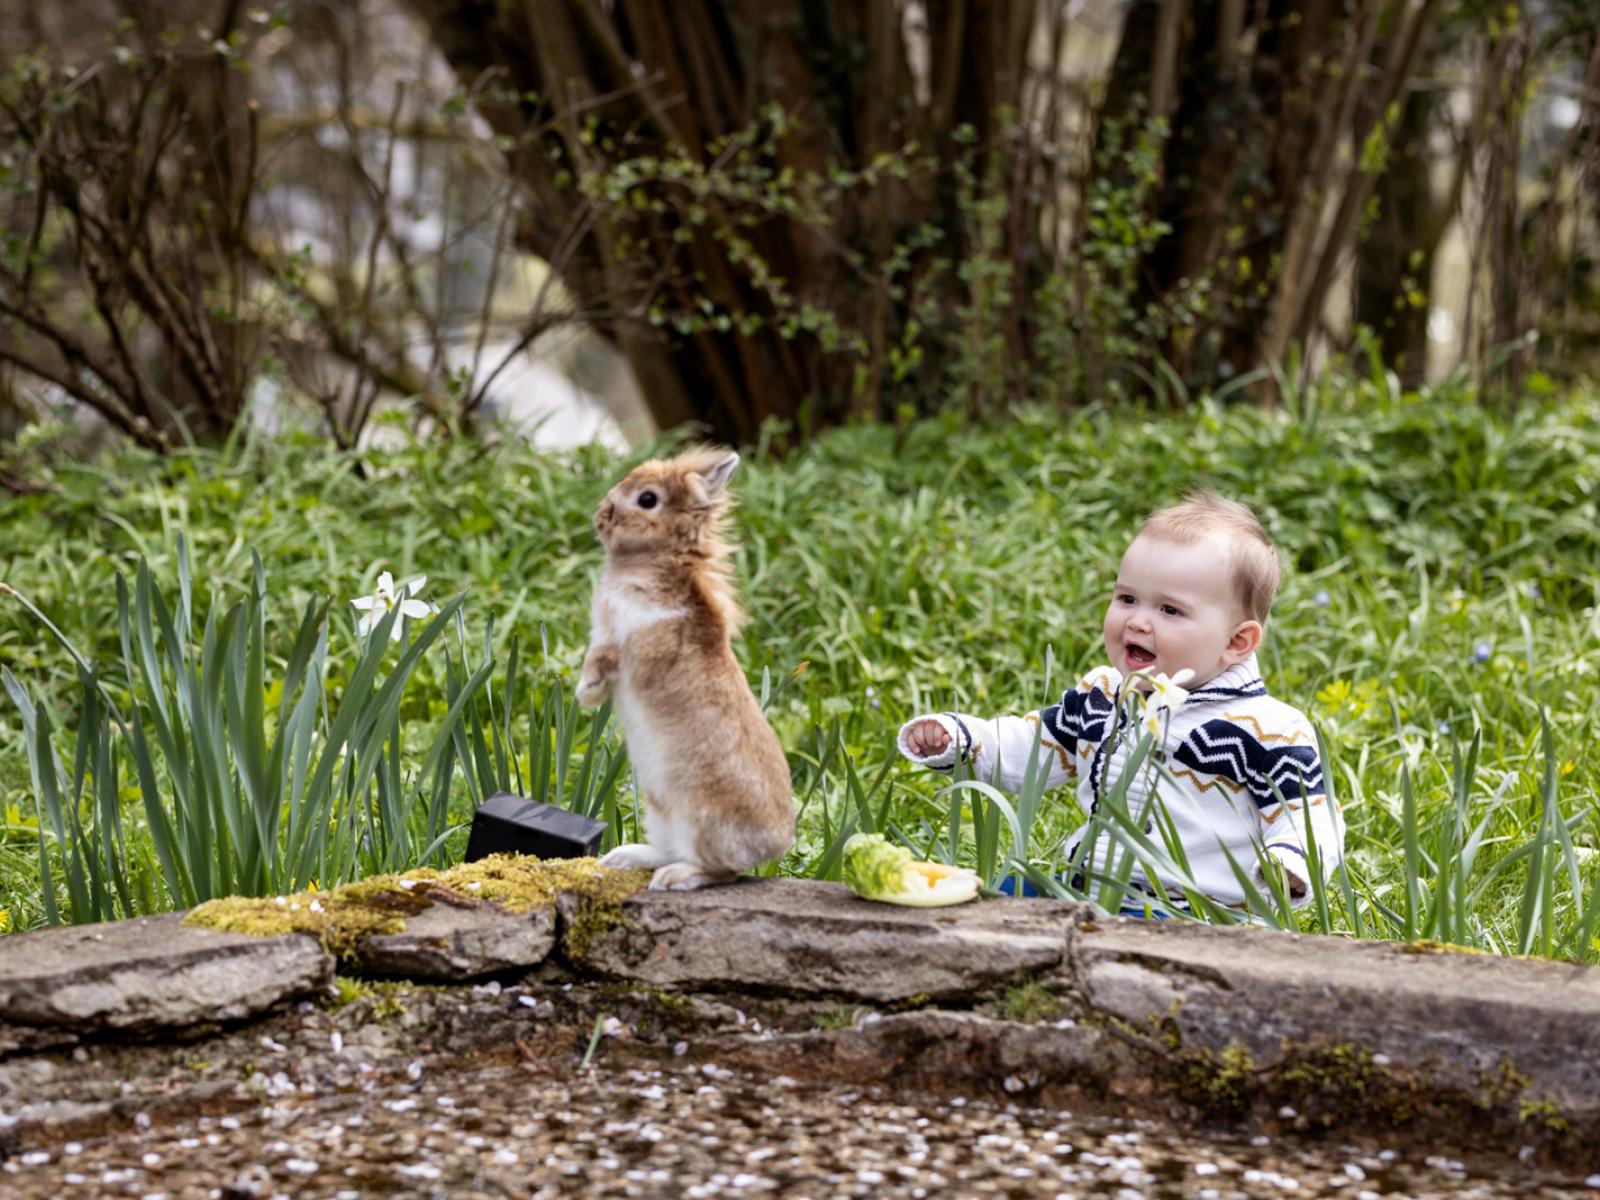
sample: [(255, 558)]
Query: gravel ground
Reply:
[(507, 1130), (481, 1093)]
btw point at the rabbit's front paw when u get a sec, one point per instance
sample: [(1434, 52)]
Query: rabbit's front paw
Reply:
[(591, 690), (635, 856), (600, 667)]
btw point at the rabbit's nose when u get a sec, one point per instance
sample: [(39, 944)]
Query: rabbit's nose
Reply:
[(603, 516)]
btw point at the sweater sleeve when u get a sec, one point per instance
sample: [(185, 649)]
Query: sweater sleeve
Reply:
[(998, 748)]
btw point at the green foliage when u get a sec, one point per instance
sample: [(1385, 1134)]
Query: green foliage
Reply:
[(248, 787), (964, 308), (1095, 339), (1443, 569), (571, 758)]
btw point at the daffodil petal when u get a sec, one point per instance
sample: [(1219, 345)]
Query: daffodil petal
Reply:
[(362, 602), (412, 586), (386, 584), (414, 608)]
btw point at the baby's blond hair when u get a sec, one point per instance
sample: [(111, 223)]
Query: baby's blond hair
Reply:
[(1254, 559)]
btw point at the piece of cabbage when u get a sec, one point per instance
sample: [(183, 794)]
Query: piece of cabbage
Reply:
[(876, 869)]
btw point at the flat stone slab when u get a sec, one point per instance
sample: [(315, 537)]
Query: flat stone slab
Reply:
[(444, 942), (806, 938), (1463, 1016), (146, 975)]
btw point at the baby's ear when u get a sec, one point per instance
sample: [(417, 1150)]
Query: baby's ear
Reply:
[(1246, 640), (716, 475)]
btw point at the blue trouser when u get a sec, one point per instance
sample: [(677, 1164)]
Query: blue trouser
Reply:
[(1132, 905)]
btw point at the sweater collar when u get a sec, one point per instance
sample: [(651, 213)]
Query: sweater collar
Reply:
[(1237, 682)]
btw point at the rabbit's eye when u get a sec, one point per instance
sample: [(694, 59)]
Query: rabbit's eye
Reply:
[(647, 500)]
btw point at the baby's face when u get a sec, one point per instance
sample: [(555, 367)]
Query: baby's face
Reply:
[(1173, 607)]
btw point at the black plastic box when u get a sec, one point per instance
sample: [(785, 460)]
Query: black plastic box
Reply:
[(509, 824)]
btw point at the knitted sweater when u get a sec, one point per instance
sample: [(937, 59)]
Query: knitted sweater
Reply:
[(1238, 771)]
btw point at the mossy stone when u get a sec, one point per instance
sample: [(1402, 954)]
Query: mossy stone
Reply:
[(343, 918)]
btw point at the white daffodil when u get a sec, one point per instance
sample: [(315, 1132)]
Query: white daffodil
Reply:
[(1164, 694), (385, 599)]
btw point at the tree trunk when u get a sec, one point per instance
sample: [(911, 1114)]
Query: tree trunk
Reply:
[(1243, 139), (1394, 266), (735, 306)]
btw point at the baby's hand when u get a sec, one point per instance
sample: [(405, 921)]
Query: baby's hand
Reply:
[(927, 738)]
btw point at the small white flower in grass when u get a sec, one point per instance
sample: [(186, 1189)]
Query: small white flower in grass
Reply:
[(1164, 694), (384, 598)]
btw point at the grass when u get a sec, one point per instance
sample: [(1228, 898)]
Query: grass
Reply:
[(1441, 594)]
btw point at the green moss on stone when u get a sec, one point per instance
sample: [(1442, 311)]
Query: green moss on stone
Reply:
[(1346, 1084), (1031, 1003), (1542, 1112), (840, 1016), (383, 997), (621, 991), (1219, 1083), (521, 884), (1428, 946), (340, 919), (343, 918), (592, 916)]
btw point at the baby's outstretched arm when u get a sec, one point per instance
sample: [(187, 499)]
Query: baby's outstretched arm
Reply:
[(996, 749)]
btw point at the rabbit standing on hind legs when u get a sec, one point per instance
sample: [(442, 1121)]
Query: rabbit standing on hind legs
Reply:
[(713, 778)]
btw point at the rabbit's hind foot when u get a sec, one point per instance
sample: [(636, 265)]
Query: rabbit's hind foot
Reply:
[(635, 856), (686, 877)]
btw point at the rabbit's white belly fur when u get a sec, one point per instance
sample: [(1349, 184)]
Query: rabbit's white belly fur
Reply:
[(669, 832), (664, 828), (620, 611)]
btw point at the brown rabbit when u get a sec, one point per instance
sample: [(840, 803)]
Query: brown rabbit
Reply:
[(712, 775)]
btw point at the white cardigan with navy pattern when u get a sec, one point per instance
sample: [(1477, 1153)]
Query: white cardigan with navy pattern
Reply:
[(1241, 772)]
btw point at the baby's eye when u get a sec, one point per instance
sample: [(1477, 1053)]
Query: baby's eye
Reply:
[(1124, 598), (1171, 610)]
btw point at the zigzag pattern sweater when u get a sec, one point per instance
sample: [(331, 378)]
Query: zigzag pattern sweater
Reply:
[(1241, 769)]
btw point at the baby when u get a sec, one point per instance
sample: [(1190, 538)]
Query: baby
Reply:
[(1240, 774)]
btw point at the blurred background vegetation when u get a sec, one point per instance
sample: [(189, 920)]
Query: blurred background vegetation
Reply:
[(641, 214)]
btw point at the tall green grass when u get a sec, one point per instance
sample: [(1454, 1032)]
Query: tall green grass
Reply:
[(247, 785), (1441, 594)]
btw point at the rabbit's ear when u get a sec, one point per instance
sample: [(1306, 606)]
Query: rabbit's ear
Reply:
[(716, 475)]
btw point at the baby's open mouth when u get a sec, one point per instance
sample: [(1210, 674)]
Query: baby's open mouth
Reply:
[(1139, 658)]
